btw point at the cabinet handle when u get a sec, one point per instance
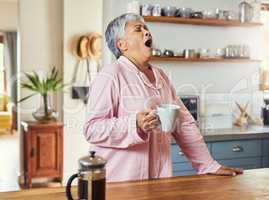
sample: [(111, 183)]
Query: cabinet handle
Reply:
[(180, 153), (237, 148), (33, 152)]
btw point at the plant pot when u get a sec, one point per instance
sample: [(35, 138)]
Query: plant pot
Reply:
[(45, 113)]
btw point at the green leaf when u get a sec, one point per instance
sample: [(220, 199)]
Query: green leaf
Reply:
[(52, 83), (27, 97), (32, 79), (28, 86)]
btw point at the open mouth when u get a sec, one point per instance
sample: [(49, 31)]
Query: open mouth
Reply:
[(148, 43)]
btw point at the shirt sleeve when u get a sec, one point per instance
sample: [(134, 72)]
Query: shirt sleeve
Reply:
[(103, 127), (189, 138)]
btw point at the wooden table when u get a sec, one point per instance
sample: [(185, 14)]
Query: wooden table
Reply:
[(253, 185)]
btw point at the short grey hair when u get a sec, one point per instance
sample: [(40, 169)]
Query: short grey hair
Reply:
[(116, 30)]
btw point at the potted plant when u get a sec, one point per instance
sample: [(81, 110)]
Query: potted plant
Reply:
[(46, 86)]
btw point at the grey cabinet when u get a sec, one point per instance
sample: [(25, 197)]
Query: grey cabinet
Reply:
[(236, 149), (180, 163), (265, 155), (245, 154)]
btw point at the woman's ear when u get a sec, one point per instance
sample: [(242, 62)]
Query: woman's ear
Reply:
[(122, 45)]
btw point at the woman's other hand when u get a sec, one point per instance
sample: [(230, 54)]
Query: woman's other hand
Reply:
[(228, 171), (147, 121)]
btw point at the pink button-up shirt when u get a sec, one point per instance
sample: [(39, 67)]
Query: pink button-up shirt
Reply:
[(120, 91)]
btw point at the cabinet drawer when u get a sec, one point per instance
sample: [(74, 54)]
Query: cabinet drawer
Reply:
[(185, 166), (265, 147), (236, 149), (184, 173), (178, 156), (265, 161), (244, 163)]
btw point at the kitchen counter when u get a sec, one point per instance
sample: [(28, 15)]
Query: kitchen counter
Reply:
[(236, 133), (253, 184)]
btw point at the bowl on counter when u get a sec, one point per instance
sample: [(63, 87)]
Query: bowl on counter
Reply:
[(156, 52), (168, 53), (210, 14), (169, 11), (197, 15), (184, 12), (179, 54)]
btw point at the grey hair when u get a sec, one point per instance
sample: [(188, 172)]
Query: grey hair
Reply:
[(116, 30)]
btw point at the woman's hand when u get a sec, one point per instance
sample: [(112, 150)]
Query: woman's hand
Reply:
[(228, 171), (147, 121)]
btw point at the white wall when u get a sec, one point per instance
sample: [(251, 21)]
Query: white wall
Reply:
[(40, 31), (46, 28), (235, 81), (8, 16), (40, 47), (80, 17)]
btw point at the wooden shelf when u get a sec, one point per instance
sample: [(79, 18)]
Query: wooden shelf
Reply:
[(180, 59), (207, 22)]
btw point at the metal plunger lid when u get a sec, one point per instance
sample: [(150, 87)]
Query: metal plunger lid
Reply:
[(91, 162)]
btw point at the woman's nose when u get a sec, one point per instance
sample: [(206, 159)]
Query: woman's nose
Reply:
[(147, 33)]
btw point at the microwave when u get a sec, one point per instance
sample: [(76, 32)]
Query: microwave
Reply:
[(192, 103)]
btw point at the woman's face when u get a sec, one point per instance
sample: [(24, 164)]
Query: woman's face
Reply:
[(137, 41)]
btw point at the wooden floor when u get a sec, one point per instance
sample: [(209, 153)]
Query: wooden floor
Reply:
[(9, 162)]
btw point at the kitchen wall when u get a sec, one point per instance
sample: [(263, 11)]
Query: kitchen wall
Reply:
[(225, 82), (40, 46), (46, 28), (8, 15), (80, 17)]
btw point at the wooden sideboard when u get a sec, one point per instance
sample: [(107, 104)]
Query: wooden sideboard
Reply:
[(43, 151)]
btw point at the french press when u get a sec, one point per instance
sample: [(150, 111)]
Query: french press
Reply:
[(91, 178)]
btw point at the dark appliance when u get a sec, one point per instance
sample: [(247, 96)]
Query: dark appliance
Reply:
[(192, 103), (265, 112)]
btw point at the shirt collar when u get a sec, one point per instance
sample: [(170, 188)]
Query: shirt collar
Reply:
[(131, 66)]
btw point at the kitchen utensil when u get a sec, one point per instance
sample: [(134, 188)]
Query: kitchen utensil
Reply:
[(168, 113), (146, 10), (156, 10), (169, 11), (209, 14), (156, 52), (220, 14), (204, 53), (245, 12), (178, 53), (220, 52), (189, 53), (184, 12), (168, 52), (91, 178), (256, 11), (197, 14)]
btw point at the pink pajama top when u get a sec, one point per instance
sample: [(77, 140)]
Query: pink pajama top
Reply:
[(118, 92)]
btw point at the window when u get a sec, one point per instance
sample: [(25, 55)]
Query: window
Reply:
[(2, 71)]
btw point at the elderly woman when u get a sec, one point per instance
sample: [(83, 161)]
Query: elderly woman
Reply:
[(120, 124)]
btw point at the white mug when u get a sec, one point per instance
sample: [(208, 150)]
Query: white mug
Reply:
[(168, 113)]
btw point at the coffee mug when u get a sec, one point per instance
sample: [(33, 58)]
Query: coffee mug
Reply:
[(168, 113)]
